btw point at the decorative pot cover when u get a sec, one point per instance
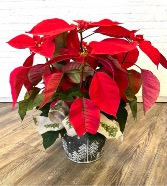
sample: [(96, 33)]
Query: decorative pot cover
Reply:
[(84, 149)]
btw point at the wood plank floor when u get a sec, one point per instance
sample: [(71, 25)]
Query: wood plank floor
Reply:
[(141, 159)]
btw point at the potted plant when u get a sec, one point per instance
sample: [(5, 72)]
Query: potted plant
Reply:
[(83, 87)]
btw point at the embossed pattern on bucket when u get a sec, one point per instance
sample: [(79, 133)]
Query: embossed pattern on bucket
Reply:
[(83, 149)]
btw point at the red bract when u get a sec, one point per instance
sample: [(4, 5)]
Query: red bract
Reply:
[(28, 85), (104, 22), (17, 79), (29, 61), (83, 25), (44, 46), (59, 58), (51, 27), (66, 84), (151, 89), (115, 31), (119, 75), (21, 41), (46, 73), (137, 37), (104, 92), (84, 116), (73, 41), (127, 59), (107, 64), (150, 51), (35, 74), (73, 44), (163, 61), (111, 46), (51, 84)]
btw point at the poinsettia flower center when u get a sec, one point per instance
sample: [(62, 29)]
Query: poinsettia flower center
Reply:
[(39, 44), (82, 25)]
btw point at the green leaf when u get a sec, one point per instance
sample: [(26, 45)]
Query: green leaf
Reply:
[(122, 105), (133, 106), (134, 78), (129, 93), (27, 95), (87, 71), (49, 138), (26, 103), (37, 102), (45, 110), (77, 94), (65, 97), (75, 70), (75, 76), (59, 65), (68, 95), (135, 81), (75, 88), (60, 42), (122, 118), (122, 115), (22, 108)]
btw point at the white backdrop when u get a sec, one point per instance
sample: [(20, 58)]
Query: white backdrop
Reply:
[(18, 16)]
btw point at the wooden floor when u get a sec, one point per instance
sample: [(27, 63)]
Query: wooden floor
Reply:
[(141, 159)]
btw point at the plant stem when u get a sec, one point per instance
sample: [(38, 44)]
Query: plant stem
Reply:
[(135, 65), (81, 81), (126, 52), (81, 47), (50, 66), (124, 57), (81, 41), (88, 35)]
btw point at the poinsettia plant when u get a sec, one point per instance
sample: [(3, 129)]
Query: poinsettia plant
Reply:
[(83, 83)]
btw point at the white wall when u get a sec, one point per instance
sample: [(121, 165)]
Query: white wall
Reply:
[(18, 16)]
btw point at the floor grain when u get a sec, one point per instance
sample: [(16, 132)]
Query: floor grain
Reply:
[(140, 159)]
